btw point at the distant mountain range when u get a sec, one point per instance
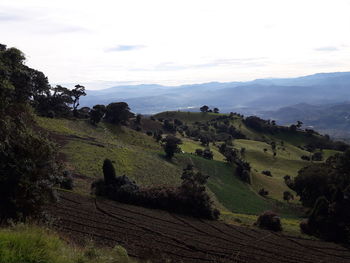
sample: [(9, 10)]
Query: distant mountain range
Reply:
[(259, 97)]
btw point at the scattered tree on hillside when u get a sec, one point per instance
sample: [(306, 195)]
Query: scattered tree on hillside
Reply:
[(269, 220), (204, 108), (118, 113), (97, 113), (216, 110), (171, 146), (76, 93)]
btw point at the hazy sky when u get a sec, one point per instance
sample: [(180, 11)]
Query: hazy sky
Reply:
[(175, 42)]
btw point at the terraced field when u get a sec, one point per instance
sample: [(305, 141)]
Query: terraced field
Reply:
[(158, 234)]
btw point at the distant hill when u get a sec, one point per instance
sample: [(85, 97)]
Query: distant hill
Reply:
[(250, 97), (333, 119)]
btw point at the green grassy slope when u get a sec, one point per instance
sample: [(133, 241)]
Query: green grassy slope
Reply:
[(135, 154)]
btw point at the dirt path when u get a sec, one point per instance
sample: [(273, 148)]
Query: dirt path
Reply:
[(153, 233)]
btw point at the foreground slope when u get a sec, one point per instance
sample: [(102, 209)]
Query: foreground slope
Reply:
[(158, 234)]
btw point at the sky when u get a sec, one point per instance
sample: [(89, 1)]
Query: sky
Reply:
[(103, 43)]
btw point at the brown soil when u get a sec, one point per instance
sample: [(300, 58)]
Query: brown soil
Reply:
[(157, 234)]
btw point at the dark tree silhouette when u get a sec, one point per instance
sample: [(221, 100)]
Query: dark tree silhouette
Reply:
[(97, 113), (204, 108), (108, 171), (76, 93), (171, 146), (118, 113), (216, 110)]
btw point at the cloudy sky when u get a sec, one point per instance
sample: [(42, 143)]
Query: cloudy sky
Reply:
[(175, 42)]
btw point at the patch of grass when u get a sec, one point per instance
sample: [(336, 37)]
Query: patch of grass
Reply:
[(32, 244)]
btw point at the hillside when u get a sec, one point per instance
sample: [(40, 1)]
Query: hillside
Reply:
[(83, 147)]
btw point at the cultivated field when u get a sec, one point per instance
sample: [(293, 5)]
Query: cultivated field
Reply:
[(161, 235)]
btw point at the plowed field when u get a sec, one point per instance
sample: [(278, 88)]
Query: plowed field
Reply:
[(158, 234)]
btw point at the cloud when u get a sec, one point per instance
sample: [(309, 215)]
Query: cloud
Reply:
[(327, 49), (121, 48)]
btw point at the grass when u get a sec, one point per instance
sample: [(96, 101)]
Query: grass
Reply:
[(290, 225), (134, 154), (33, 244)]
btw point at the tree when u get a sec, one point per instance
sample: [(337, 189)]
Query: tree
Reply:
[(299, 124), (108, 172), (76, 93), (216, 110), (171, 146), (118, 113), (204, 108), (28, 170), (97, 113), (208, 154), (138, 118)]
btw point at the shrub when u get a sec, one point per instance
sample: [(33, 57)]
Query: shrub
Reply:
[(317, 156), (263, 192), (267, 173), (199, 152), (269, 220), (67, 181), (305, 158)]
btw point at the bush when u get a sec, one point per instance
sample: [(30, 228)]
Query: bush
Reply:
[(267, 173), (67, 181), (305, 158), (317, 156), (269, 220), (263, 192)]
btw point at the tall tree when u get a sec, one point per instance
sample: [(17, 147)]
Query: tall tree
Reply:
[(118, 113), (76, 93)]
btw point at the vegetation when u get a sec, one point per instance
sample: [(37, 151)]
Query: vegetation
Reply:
[(27, 160), (29, 243), (269, 220), (189, 198)]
